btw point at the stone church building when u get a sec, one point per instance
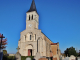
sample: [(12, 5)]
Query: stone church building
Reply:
[(33, 41)]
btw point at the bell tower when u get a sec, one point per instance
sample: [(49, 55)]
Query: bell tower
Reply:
[(32, 17)]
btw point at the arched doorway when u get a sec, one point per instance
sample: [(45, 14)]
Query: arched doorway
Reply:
[(29, 49), (29, 52)]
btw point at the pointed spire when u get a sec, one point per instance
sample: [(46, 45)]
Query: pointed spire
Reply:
[(33, 7)]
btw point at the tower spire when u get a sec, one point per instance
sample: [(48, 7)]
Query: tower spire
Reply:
[(33, 7)]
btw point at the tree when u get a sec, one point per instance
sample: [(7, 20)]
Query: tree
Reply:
[(70, 51), (4, 42), (4, 52), (79, 53)]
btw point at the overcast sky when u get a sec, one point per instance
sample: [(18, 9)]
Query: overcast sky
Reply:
[(59, 20)]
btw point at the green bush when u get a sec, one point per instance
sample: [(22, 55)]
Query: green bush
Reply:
[(4, 58), (13, 57), (8, 57), (4, 52), (24, 57)]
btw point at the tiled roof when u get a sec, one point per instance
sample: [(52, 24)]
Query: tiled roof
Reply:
[(53, 43)]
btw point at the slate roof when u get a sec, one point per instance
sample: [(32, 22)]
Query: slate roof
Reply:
[(33, 7)]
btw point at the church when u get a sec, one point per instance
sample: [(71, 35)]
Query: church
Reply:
[(33, 41)]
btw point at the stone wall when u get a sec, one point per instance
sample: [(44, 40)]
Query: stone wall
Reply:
[(54, 58), (11, 54), (54, 49), (43, 59)]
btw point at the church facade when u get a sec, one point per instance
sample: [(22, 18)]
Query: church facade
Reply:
[(33, 41)]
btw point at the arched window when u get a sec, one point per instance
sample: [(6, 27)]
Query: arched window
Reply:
[(30, 37), (35, 36), (29, 17), (32, 17)]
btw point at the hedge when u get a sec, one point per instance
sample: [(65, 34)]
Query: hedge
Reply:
[(24, 57), (8, 58)]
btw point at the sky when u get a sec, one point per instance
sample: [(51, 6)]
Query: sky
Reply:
[(59, 20)]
